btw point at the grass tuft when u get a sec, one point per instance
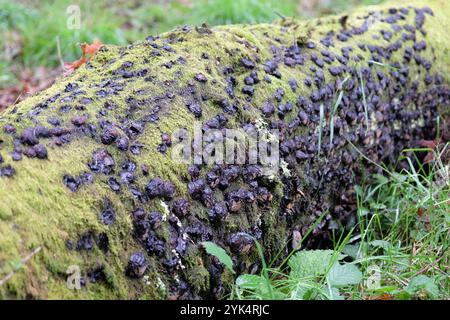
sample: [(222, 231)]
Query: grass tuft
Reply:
[(400, 251)]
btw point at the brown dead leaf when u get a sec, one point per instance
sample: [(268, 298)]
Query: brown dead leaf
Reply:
[(384, 296), (88, 51), (420, 212), (91, 49), (70, 67)]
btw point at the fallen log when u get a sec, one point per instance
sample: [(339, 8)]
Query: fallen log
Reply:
[(87, 172)]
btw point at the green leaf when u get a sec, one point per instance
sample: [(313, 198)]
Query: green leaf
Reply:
[(422, 282), (299, 292), (343, 275), (359, 191), (218, 252), (352, 250), (311, 263), (373, 281), (249, 281), (403, 295), (381, 179), (378, 206), (385, 245), (333, 294), (250, 286)]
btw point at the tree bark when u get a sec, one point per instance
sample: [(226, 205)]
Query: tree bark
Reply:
[(86, 173)]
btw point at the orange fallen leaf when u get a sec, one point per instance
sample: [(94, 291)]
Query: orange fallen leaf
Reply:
[(91, 48), (72, 66), (88, 50), (420, 211), (384, 296)]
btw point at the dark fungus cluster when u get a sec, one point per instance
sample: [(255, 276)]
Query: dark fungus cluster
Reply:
[(376, 93)]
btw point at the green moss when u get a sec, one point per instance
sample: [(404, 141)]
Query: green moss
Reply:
[(198, 277)]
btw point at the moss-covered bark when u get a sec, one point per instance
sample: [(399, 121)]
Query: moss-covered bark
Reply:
[(389, 66)]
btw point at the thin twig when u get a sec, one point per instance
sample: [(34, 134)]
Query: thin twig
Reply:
[(58, 47), (23, 261), (18, 97)]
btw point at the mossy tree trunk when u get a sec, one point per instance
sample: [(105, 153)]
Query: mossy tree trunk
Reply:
[(87, 179)]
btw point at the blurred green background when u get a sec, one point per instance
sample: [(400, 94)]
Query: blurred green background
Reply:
[(36, 38)]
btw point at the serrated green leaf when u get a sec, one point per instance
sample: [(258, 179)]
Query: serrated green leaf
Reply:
[(422, 282), (298, 293), (343, 275), (249, 281), (218, 252), (311, 263), (352, 250), (251, 286)]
